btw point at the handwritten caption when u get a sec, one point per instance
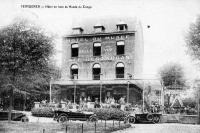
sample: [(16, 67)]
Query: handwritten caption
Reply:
[(57, 6)]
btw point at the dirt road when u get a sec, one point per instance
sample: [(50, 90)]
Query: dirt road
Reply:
[(162, 128)]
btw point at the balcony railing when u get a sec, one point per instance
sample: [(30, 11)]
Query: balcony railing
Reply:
[(74, 76), (96, 77), (119, 75)]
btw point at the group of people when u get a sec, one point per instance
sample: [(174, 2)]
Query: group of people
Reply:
[(86, 102)]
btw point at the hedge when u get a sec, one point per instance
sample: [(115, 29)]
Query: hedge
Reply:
[(43, 112), (102, 113), (108, 113)]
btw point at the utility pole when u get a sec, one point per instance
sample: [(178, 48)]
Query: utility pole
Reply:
[(197, 89), (198, 102), (143, 96)]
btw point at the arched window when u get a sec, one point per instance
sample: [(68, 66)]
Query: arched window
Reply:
[(96, 71), (74, 71), (74, 50), (120, 47), (97, 49), (120, 70)]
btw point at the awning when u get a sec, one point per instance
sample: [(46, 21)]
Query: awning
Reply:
[(138, 83)]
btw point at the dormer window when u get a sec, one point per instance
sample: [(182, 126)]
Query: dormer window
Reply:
[(77, 30), (99, 28), (122, 26)]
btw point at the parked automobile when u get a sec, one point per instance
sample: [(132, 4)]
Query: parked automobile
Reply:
[(63, 116), (137, 115), (144, 117), (15, 115)]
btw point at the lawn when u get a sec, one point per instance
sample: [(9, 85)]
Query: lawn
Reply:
[(71, 127)]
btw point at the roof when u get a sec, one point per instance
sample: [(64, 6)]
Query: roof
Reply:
[(109, 23), (121, 23), (98, 25)]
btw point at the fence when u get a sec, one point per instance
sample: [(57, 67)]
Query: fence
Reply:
[(69, 127), (179, 118)]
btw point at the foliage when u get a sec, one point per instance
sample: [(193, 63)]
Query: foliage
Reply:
[(193, 39), (24, 57), (43, 112), (172, 74), (191, 102), (108, 113)]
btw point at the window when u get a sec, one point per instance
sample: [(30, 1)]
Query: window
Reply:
[(74, 50), (96, 71), (120, 70), (121, 27), (97, 49), (120, 47), (74, 71)]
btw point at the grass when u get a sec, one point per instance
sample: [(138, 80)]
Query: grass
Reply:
[(72, 127)]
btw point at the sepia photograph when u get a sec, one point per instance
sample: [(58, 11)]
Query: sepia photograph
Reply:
[(108, 66)]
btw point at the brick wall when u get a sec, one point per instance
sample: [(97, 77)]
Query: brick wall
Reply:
[(85, 61)]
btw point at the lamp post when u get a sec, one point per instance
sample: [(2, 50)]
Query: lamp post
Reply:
[(100, 87), (127, 93), (130, 77), (75, 77)]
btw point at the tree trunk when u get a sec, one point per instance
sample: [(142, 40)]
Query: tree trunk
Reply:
[(10, 104), (198, 106)]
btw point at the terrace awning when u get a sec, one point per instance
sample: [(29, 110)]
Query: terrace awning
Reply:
[(139, 83)]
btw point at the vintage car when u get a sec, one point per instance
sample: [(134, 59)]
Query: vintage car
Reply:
[(144, 117), (15, 116), (138, 116), (63, 116)]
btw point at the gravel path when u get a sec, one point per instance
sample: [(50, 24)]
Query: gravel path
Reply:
[(162, 128)]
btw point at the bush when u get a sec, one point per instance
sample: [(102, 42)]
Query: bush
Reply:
[(108, 113), (43, 112)]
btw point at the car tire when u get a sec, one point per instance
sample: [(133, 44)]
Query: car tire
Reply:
[(62, 118), (132, 119), (24, 119), (156, 119), (93, 119), (149, 117)]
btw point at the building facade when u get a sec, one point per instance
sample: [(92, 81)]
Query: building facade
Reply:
[(102, 60)]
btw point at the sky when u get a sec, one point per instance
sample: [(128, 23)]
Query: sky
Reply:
[(164, 41)]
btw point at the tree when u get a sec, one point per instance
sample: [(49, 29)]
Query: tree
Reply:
[(25, 53), (193, 39), (172, 74)]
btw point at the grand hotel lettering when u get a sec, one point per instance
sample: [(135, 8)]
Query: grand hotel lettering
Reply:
[(103, 58), (77, 39), (97, 59)]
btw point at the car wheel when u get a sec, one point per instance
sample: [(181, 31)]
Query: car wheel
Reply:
[(156, 119), (132, 119), (62, 119), (93, 119), (149, 117), (125, 119), (24, 119)]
